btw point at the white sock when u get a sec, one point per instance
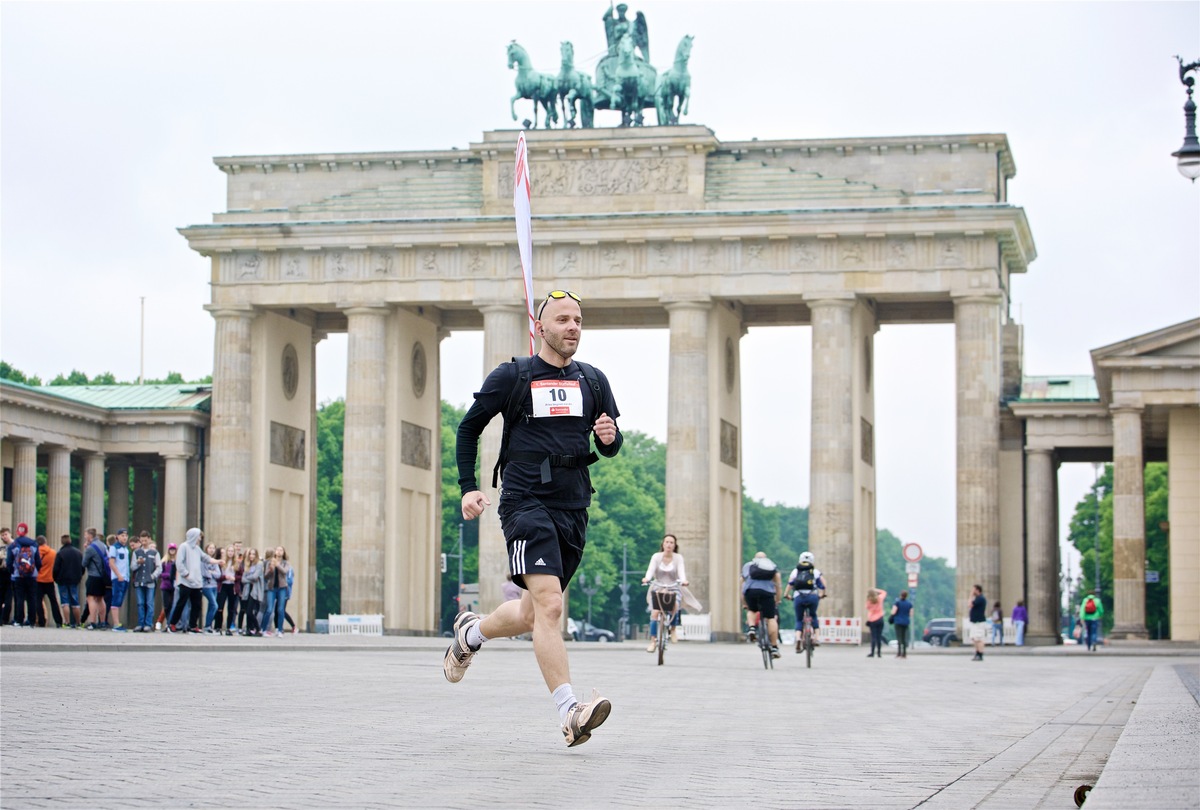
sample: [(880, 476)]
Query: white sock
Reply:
[(475, 636), (564, 698)]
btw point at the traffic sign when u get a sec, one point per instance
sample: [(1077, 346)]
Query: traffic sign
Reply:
[(1151, 576), (912, 552), (912, 580), (912, 568)]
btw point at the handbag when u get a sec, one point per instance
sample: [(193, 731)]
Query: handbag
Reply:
[(892, 619)]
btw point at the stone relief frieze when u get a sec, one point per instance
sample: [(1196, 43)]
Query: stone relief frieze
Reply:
[(662, 257), (566, 262), (614, 259), (852, 253), (337, 265), (287, 446), (295, 267), (429, 262), (899, 253), (707, 256), (755, 256), (805, 254), (250, 267), (573, 178), (415, 445), (729, 444), (474, 261), (383, 264), (950, 253)]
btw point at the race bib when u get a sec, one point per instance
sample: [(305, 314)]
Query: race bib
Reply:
[(556, 398)]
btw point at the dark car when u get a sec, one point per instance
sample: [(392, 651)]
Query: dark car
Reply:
[(590, 632), (941, 632)]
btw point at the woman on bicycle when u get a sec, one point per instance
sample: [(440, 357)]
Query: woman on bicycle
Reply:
[(668, 574)]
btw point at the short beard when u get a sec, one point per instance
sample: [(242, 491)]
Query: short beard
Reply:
[(557, 345)]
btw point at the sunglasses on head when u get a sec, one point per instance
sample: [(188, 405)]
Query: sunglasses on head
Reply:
[(558, 295)]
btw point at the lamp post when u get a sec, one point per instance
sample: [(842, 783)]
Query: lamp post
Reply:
[(1188, 154), (1096, 539), (623, 626), (590, 590)]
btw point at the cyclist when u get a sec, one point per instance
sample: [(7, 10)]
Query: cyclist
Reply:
[(761, 594), (809, 587), (667, 571)]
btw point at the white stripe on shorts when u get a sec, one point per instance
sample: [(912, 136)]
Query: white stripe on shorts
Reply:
[(517, 563)]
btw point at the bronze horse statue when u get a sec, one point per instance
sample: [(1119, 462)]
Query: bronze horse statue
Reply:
[(633, 85), (540, 88), (674, 86), (574, 90)]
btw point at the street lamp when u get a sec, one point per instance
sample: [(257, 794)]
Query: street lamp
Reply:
[(1096, 527), (1188, 154), (590, 591)]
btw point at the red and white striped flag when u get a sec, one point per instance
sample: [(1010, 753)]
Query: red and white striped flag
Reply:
[(521, 199)]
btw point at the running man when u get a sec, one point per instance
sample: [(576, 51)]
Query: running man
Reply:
[(545, 454)]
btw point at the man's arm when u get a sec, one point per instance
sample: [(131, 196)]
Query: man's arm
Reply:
[(112, 566)]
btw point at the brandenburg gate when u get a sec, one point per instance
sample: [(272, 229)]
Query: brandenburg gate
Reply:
[(664, 227)]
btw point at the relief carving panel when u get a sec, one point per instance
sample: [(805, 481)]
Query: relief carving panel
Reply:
[(586, 178), (287, 446), (414, 445)]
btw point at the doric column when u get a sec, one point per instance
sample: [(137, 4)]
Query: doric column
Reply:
[(831, 498), (504, 337), (1041, 558), (92, 498), (977, 366), (118, 499), (1129, 525), (175, 498), (688, 492), (193, 491), (363, 475), (143, 504), (25, 485), (229, 458), (58, 495)]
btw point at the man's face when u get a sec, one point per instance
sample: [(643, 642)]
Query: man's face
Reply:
[(561, 324), (123, 539), (6, 537), (976, 592)]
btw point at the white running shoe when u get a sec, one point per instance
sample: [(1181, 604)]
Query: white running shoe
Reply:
[(459, 654), (584, 718)]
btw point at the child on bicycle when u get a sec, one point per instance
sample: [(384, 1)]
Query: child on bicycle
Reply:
[(809, 588)]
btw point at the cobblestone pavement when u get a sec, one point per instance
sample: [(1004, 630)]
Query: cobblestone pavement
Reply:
[(95, 720)]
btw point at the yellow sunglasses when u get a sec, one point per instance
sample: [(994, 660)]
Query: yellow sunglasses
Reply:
[(557, 295)]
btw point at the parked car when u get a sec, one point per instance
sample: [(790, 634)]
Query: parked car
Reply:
[(941, 632), (585, 631)]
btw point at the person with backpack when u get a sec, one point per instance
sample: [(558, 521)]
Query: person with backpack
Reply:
[(95, 565), (552, 406), (24, 562), (809, 587), (45, 584), (1091, 609), (761, 593)]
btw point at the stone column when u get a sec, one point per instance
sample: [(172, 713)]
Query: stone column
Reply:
[(58, 495), (25, 485), (175, 498), (92, 499), (688, 486), (504, 337), (1041, 557), (193, 493), (229, 460), (143, 505), (118, 499), (831, 498), (363, 476), (977, 362), (1129, 525)]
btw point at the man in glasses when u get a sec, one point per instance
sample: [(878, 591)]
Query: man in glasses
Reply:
[(552, 405)]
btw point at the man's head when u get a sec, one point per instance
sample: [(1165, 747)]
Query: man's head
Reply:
[(89, 534), (807, 558), (65, 540), (559, 323), (22, 529), (976, 590), (194, 536), (6, 535), (145, 539), (123, 536), (760, 555), (41, 539)]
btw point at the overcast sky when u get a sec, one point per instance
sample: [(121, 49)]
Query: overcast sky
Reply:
[(112, 113)]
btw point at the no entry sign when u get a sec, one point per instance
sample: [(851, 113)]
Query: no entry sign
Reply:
[(912, 552)]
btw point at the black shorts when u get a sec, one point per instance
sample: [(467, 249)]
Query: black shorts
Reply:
[(761, 601), (97, 587), (541, 540)]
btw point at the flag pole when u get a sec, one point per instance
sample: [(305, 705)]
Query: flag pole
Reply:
[(521, 208)]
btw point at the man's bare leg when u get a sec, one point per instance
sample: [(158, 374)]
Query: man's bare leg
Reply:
[(546, 598), (512, 618), (773, 629)]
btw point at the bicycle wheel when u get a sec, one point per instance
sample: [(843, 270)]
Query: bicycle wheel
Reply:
[(764, 643), (663, 631), (808, 647)]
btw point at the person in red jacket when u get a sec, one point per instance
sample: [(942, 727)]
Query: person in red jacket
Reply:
[(45, 584)]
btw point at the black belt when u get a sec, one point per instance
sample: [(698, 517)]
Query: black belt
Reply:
[(546, 461)]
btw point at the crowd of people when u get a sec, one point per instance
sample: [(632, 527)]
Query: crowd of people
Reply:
[(230, 591)]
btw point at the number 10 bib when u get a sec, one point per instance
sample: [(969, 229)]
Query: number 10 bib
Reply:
[(556, 398)]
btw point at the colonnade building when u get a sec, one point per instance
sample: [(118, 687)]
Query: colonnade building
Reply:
[(658, 227)]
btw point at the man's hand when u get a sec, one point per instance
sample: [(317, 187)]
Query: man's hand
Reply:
[(473, 504), (605, 429)]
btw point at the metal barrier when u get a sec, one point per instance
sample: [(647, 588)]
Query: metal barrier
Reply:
[(840, 630), (1009, 637), (696, 627), (370, 624)]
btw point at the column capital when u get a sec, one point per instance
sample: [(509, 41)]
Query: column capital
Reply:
[(831, 298), (1126, 407), (365, 309), (1039, 451), (978, 297), (169, 456), (98, 454), (22, 440), (671, 304), (230, 310)]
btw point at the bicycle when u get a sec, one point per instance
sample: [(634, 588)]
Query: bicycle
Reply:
[(805, 640), (764, 642), (665, 599)]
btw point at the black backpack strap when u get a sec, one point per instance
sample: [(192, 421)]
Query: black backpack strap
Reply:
[(589, 374), (512, 411)]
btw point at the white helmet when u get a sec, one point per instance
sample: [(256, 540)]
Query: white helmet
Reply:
[(807, 557)]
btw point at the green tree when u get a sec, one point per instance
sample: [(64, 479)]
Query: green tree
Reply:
[(7, 372), (331, 423)]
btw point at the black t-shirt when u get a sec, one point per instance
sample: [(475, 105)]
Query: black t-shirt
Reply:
[(978, 609), (567, 435)]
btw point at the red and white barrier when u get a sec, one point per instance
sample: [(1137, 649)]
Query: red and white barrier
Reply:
[(839, 630)]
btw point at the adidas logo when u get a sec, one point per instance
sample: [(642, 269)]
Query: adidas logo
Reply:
[(540, 561)]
